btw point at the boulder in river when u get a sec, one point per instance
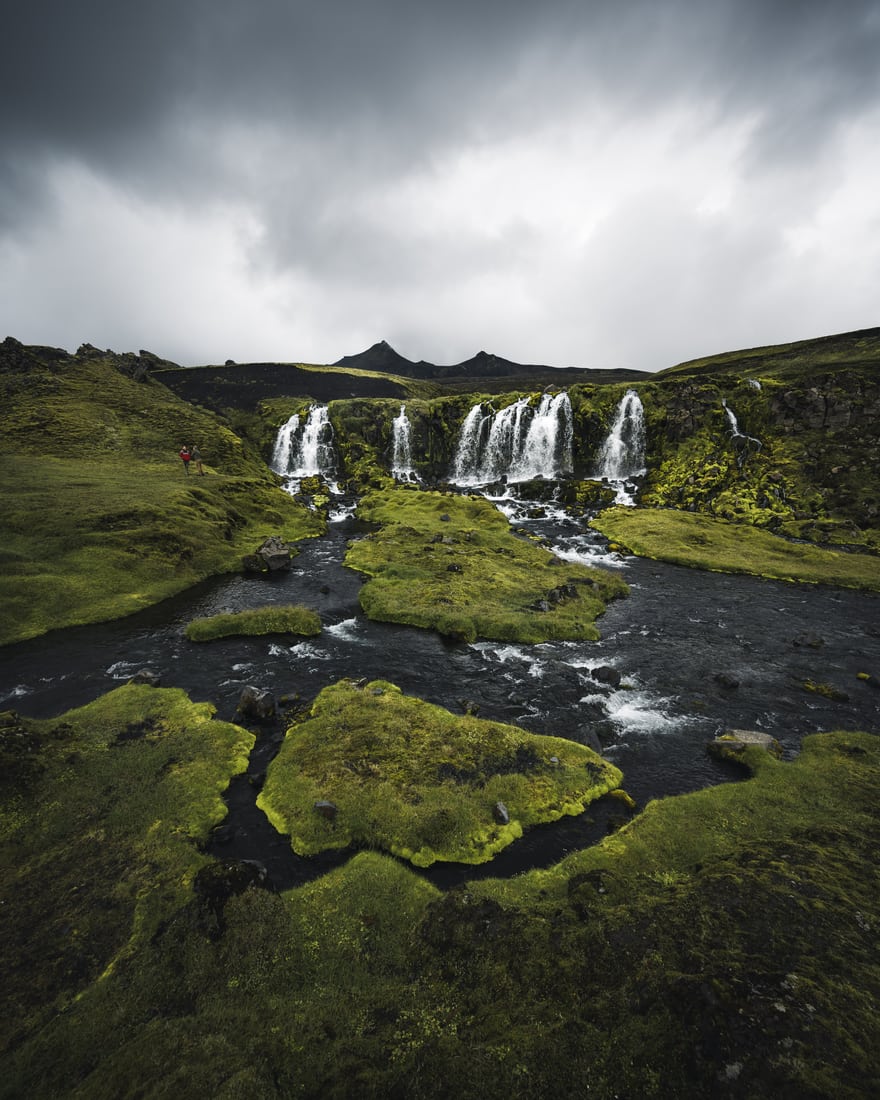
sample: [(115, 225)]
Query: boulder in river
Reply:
[(256, 703), (733, 743), (606, 674), (272, 556), (146, 676)]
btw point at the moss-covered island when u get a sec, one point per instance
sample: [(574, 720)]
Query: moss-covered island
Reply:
[(371, 766), (256, 621), (451, 563), (706, 542)]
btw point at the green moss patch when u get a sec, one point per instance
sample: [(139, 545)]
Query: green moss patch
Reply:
[(451, 564), (272, 619), (705, 543), (374, 767), (101, 812)]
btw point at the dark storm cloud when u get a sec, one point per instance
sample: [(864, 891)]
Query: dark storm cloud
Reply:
[(337, 128)]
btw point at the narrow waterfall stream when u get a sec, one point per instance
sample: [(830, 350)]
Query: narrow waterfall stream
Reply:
[(304, 447), (401, 458)]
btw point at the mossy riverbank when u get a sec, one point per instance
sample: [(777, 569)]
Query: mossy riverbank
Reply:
[(703, 542), (371, 766), (451, 564), (97, 514)]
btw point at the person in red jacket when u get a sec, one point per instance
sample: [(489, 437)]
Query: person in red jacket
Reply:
[(185, 457)]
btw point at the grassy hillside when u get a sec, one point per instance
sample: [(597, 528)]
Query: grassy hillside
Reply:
[(97, 516)]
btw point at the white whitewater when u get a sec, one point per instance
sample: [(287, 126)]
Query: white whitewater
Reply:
[(401, 457), (305, 448), (518, 442)]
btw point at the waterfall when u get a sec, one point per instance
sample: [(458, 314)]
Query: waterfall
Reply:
[(401, 460), (303, 449), (518, 442), (734, 425), (623, 452)]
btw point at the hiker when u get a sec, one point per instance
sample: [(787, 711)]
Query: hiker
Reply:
[(185, 457), (196, 456)]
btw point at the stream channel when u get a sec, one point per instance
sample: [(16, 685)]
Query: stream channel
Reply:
[(677, 631)]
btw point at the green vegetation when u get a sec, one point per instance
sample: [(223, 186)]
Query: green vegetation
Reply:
[(421, 783), (271, 619), (721, 944), (694, 540), (98, 518), (450, 563), (101, 813)]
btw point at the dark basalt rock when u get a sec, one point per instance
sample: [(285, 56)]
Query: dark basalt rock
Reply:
[(725, 680), (500, 815), (326, 809), (256, 703), (146, 676), (605, 674)]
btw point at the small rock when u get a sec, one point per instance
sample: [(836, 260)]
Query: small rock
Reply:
[(326, 809), (146, 676), (726, 680), (256, 703), (730, 745), (500, 814), (453, 568), (605, 674)]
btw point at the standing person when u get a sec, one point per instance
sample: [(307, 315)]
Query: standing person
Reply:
[(185, 457), (196, 456)]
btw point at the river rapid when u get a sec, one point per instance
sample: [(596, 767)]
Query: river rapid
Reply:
[(670, 640)]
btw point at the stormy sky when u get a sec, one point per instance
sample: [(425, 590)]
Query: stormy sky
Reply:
[(627, 183)]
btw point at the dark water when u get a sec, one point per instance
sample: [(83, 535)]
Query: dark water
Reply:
[(675, 633)]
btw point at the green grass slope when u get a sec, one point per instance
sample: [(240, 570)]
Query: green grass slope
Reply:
[(97, 516)]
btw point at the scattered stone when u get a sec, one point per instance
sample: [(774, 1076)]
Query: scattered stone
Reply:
[(326, 809), (454, 568), (807, 639), (606, 674), (445, 518), (275, 554), (256, 703), (500, 814), (828, 691), (726, 680), (732, 744), (146, 676)]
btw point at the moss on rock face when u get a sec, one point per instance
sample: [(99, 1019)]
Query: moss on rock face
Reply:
[(451, 564), (371, 766), (98, 842)]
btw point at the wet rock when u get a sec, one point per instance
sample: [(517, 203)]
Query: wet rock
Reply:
[(591, 740), (725, 680), (500, 815), (275, 554), (256, 703), (733, 743), (326, 809), (605, 674), (146, 676), (808, 639), (867, 678), (828, 691)]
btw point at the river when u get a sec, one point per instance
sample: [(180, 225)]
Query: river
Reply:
[(677, 631)]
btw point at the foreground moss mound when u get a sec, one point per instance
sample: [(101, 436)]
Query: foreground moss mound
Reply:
[(722, 944), (272, 619), (450, 563), (97, 515), (695, 540), (100, 814), (372, 766)]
